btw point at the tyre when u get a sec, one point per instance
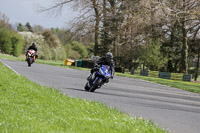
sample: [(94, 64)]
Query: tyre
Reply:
[(29, 62), (96, 85), (87, 88), (93, 88)]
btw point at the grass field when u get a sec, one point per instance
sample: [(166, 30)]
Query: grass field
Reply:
[(28, 107)]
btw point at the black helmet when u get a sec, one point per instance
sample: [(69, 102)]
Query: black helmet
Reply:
[(34, 44), (109, 55)]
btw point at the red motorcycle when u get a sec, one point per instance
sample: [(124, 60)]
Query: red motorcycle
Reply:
[(30, 57)]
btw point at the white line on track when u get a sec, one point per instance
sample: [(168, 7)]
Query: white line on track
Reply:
[(9, 67)]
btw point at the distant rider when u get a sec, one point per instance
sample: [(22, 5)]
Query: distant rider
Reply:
[(34, 47), (105, 60)]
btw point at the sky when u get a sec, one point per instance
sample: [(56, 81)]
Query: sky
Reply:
[(24, 11)]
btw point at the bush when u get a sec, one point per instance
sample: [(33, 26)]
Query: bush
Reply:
[(76, 50), (58, 53), (151, 56), (17, 44), (61, 53), (11, 42), (5, 41), (30, 37), (44, 52), (80, 48)]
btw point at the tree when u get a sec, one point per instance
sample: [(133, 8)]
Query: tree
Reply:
[(30, 37), (20, 28), (151, 56), (58, 53), (120, 26), (17, 44), (76, 50), (11, 42), (50, 38), (195, 49), (87, 7), (28, 26), (172, 45), (5, 41), (38, 29), (77, 46), (97, 22), (185, 12), (4, 22)]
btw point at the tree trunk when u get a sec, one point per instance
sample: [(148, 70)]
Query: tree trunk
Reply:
[(184, 53), (97, 21), (175, 66), (105, 38), (197, 68), (170, 63), (116, 39), (115, 23)]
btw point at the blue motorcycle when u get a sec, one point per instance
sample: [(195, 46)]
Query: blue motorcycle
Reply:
[(98, 78)]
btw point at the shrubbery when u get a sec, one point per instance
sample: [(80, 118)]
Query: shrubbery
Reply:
[(11, 42), (76, 50), (151, 56), (17, 44), (49, 46), (45, 50)]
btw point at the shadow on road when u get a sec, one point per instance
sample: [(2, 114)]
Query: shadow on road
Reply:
[(75, 89), (169, 105)]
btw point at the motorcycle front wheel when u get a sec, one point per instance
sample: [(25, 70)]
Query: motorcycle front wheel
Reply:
[(96, 85), (29, 62)]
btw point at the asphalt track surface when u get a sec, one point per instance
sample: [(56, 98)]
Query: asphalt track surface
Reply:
[(175, 110)]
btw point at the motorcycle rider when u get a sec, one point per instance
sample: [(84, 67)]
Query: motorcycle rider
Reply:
[(34, 47), (105, 60)]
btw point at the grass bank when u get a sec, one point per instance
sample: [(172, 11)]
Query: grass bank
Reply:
[(28, 107), (188, 86), (48, 62)]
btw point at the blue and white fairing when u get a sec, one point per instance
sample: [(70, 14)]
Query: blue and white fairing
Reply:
[(104, 72)]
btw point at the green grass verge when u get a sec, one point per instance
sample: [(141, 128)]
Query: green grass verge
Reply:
[(188, 86), (10, 57), (28, 107), (48, 62)]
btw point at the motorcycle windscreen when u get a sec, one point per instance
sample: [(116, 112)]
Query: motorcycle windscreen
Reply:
[(31, 51), (106, 69)]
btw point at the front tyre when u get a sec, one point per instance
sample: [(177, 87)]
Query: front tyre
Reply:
[(29, 62), (96, 85)]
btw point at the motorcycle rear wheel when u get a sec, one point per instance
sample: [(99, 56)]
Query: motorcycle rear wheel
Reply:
[(87, 88)]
